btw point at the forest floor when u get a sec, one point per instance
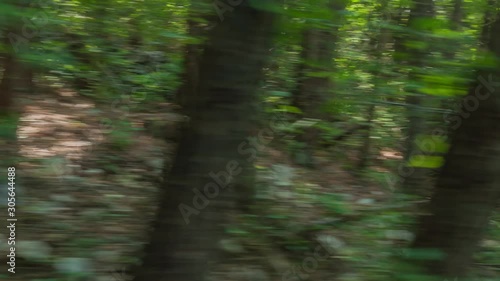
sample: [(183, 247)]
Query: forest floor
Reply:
[(87, 193)]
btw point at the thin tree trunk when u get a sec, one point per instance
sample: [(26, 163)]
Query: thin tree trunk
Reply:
[(455, 25), (76, 48), (364, 152), (10, 65), (7, 84), (423, 9), (311, 93), (135, 40), (318, 46), (186, 94), (457, 15), (26, 82), (378, 47), (213, 146)]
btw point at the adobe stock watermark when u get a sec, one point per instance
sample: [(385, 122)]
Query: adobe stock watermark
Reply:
[(223, 6), (468, 105), (222, 179)]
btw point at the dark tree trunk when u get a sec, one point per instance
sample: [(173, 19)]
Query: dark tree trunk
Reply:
[(318, 46), (10, 65), (457, 15), (18, 72), (26, 81), (213, 144), (364, 152), (467, 190), (311, 93), (135, 40), (76, 48), (7, 84), (186, 94)]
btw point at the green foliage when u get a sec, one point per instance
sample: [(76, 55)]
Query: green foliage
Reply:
[(425, 161), (337, 107), (130, 54), (289, 109), (121, 135), (334, 203), (8, 127)]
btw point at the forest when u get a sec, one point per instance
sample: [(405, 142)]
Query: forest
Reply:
[(250, 140)]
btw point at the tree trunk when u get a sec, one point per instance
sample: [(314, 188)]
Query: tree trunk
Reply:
[(76, 47), (26, 82), (318, 45), (7, 84), (186, 94), (10, 65), (468, 188), (135, 40), (364, 152), (377, 46), (212, 148), (457, 15), (311, 93)]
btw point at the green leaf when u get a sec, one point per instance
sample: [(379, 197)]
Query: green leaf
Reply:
[(440, 91), (279, 94), (290, 109), (425, 161)]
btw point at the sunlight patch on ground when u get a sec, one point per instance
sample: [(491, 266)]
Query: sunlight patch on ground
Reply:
[(387, 153), (46, 130)]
